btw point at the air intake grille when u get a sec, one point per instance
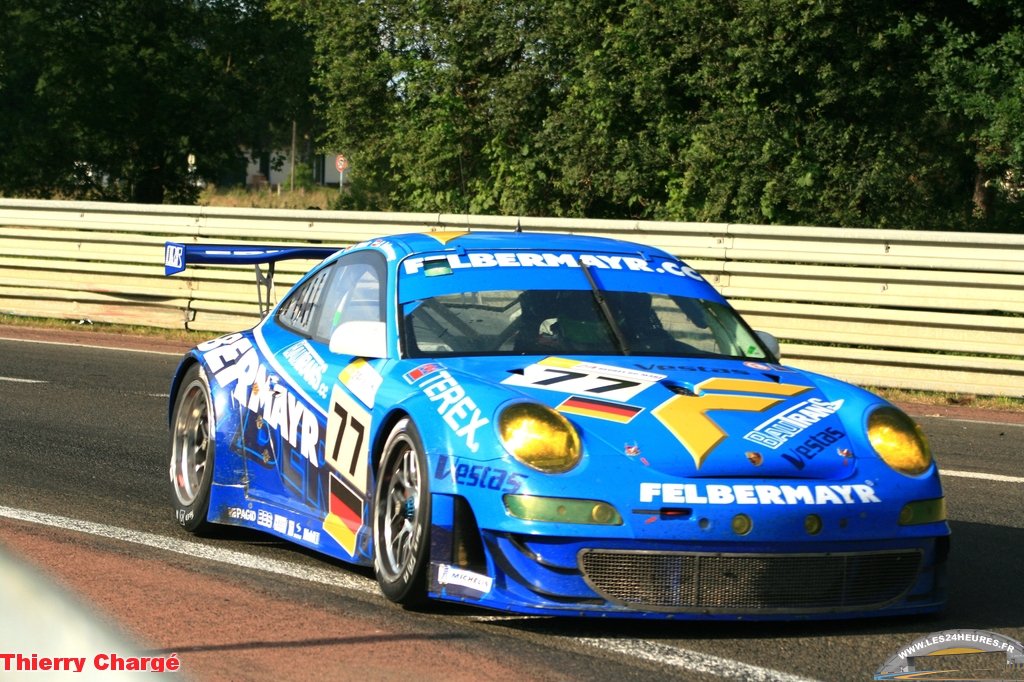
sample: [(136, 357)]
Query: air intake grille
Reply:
[(684, 581)]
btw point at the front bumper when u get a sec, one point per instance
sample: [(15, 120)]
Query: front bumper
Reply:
[(689, 580)]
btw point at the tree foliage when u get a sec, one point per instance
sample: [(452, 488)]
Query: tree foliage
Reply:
[(849, 112), (976, 72), (762, 111), (107, 98)]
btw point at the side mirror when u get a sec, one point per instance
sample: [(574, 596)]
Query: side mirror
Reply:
[(771, 343), (360, 338)]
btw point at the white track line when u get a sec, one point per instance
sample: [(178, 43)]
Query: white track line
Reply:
[(983, 476), (89, 345), (323, 576), (692, 661), (23, 381), (648, 650), (976, 421)]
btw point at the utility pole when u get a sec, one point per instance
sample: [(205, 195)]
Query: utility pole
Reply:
[(293, 155)]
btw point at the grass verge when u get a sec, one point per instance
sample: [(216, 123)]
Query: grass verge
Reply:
[(321, 198), (104, 328), (1004, 403)]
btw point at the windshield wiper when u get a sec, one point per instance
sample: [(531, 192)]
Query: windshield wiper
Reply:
[(602, 303)]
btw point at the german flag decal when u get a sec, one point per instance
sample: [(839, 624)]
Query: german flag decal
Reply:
[(601, 409), (346, 515)]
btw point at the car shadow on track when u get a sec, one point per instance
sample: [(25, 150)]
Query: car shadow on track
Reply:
[(985, 592), (236, 537)]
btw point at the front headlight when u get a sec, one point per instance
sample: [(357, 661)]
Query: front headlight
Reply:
[(539, 437), (899, 441)]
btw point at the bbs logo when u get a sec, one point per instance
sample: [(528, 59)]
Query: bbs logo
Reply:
[(174, 254)]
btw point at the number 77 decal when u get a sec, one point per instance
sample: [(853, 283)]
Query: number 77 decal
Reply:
[(686, 417), (584, 378), (346, 452)]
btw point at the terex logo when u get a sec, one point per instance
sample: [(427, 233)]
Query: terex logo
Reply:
[(174, 255), (686, 417), (458, 409)]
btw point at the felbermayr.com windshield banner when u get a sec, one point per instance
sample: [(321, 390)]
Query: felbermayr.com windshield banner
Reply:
[(953, 655)]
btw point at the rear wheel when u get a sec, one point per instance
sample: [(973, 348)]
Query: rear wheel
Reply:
[(401, 517), (192, 447)]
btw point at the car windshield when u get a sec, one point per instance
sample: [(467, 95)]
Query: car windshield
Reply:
[(574, 322)]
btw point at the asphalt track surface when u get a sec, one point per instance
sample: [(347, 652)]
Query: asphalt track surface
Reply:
[(84, 501)]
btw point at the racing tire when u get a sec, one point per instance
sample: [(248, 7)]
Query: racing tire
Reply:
[(401, 517), (193, 442)]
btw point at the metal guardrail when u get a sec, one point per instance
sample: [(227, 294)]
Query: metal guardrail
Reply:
[(897, 308)]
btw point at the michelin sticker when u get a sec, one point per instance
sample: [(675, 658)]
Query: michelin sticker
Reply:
[(475, 584)]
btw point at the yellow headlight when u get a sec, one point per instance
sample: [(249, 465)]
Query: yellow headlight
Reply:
[(539, 437), (899, 441)]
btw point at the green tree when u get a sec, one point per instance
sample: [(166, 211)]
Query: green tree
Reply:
[(765, 111), (106, 99), (812, 115), (976, 72), (615, 133), (431, 101)]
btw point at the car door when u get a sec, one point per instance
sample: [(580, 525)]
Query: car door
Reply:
[(323, 328)]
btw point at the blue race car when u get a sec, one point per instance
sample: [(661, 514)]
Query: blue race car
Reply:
[(554, 425)]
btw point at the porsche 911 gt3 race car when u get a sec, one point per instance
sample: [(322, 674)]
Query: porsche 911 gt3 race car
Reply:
[(554, 425)]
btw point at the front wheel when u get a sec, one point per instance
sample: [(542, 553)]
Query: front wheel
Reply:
[(401, 517), (192, 447)]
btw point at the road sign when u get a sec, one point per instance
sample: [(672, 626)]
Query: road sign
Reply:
[(341, 163)]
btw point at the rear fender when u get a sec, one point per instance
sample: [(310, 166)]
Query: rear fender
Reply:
[(191, 358)]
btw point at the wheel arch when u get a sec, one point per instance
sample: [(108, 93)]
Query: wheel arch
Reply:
[(192, 431), (381, 437), (179, 375), (401, 510), (465, 547)]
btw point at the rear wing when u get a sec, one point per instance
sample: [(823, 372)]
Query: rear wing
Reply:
[(177, 257)]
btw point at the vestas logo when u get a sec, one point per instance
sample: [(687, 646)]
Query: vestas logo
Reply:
[(686, 416)]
